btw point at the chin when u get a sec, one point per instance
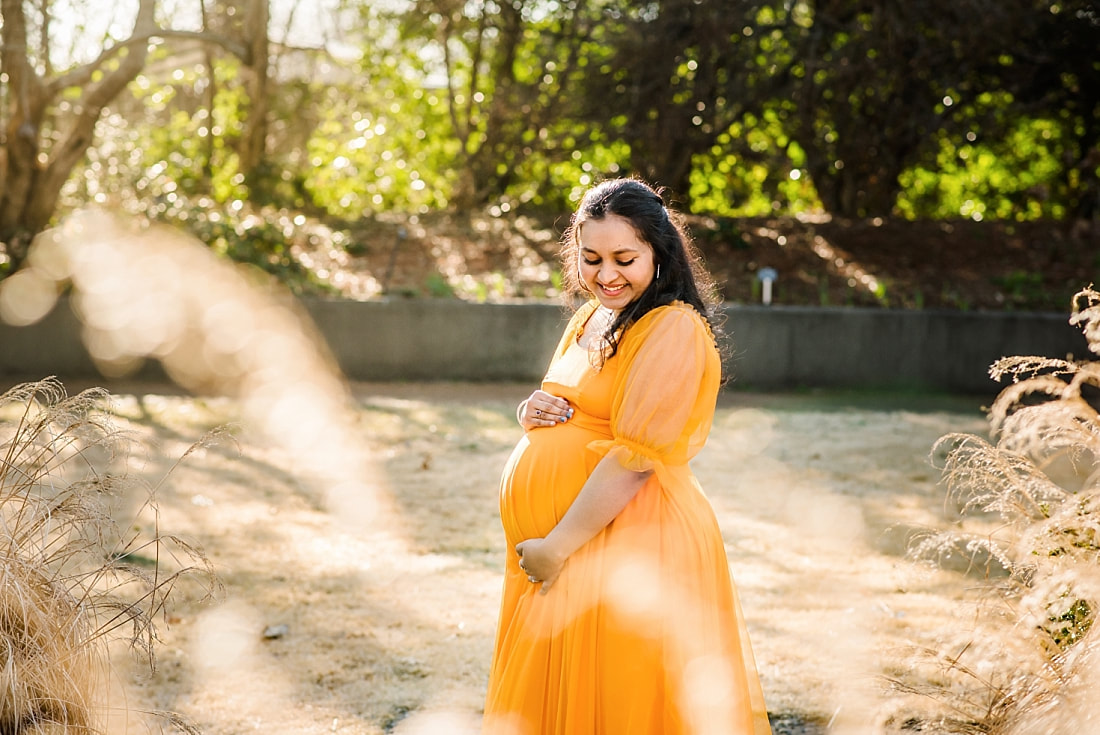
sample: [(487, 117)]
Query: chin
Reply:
[(615, 304)]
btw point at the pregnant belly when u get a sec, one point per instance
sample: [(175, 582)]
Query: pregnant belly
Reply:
[(544, 474)]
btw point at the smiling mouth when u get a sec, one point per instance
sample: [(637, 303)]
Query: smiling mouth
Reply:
[(612, 290)]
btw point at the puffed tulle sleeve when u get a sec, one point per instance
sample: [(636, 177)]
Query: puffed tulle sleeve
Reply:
[(666, 387)]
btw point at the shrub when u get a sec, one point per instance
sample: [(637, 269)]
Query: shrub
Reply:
[(71, 583), (1030, 666)]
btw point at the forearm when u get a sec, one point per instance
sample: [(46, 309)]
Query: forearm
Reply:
[(607, 491)]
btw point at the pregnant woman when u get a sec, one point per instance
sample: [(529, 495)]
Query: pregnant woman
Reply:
[(618, 614)]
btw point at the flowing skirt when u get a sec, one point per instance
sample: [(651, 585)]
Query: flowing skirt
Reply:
[(642, 634)]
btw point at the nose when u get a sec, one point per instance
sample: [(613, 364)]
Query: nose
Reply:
[(607, 273)]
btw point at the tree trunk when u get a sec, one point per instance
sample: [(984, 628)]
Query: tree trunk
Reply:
[(482, 179), (24, 117), (253, 146), (210, 96), (31, 182)]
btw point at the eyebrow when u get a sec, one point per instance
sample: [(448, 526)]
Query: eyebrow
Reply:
[(620, 251)]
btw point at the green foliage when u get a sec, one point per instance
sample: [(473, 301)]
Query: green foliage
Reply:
[(548, 182), (1021, 287), (438, 287), (190, 142), (508, 76), (167, 144), (773, 108), (880, 292), (176, 166), (1071, 625), (767, 178), (557, 280), (1018, 177), (375, 157), (262, 239), (381, 138)]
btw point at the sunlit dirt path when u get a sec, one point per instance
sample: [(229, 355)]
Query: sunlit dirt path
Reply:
[(329, 627)]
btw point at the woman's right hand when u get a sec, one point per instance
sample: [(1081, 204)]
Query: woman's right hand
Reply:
[(543, 409)]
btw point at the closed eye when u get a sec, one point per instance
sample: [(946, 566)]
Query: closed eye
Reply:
[(621, 263)]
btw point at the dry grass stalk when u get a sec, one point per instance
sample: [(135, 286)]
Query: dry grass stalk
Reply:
[(70, 582), (1020, 672)]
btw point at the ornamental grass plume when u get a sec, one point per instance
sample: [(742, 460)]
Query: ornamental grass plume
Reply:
[(1031, 664), (71, 583)]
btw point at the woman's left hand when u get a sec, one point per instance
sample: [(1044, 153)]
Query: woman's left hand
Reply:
[(540, 562)]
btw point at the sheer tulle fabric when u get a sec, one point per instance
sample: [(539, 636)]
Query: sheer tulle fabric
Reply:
[(642, 634)]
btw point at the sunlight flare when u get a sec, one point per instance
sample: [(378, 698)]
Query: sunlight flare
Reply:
[(154, 292)]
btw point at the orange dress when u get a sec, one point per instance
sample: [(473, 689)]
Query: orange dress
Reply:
[(642, 633)]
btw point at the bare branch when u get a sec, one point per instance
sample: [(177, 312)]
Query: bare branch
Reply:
[(82, 131), (234, 47), (44, 39), (82, 74)]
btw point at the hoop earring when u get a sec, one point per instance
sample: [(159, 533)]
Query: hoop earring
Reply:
[(658, 272)]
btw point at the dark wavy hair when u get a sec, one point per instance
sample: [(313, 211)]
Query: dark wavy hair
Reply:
[(682, 275)]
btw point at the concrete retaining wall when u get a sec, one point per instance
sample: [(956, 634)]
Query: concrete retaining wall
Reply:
[(771, 347), (943, 350)]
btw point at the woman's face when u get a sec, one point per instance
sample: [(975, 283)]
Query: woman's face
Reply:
[(614, 263)]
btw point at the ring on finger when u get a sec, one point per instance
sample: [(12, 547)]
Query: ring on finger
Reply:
[(538, 412), (531, 578)]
